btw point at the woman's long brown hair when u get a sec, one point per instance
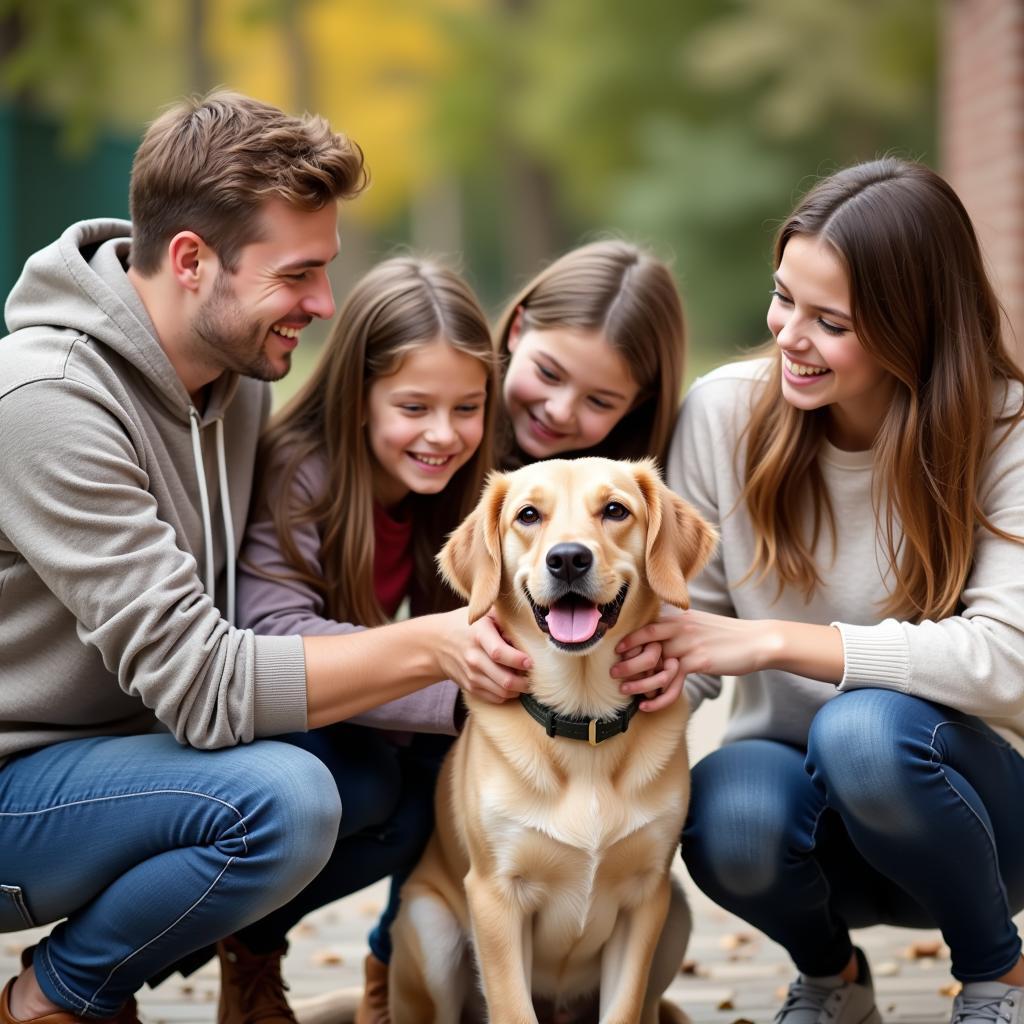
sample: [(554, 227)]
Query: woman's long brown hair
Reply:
[(923, 307), (399, 305), (625, 293)]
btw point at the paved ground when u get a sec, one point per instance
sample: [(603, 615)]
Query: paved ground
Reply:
[(734, 974), (737, 975)]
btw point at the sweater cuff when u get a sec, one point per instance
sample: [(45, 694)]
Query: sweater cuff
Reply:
[(448, 723), (874, 656), (279, 697)]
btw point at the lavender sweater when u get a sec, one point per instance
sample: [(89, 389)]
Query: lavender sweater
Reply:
[(284, 607)]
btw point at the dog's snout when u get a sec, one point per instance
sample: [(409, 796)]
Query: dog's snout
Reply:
[(568, 562)]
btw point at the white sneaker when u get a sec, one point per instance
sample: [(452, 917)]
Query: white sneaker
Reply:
[(833, 1001), (988, 1002)]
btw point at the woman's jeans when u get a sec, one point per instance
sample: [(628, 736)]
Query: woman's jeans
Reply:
[(900, 812), (151, 850)]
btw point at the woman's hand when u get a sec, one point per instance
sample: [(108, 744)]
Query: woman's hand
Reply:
[(719, 645), (702, 642), (645, 670), (481, 660)]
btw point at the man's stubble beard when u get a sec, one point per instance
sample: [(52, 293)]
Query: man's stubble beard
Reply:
[(225, 337)]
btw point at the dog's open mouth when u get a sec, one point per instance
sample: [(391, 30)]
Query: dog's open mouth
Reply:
[(574, 622)]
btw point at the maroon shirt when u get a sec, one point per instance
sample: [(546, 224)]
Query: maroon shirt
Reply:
[(392, 558)]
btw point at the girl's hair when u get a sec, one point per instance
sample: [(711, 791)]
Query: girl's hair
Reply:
[(629, 296), (399, 305), (922, 306)]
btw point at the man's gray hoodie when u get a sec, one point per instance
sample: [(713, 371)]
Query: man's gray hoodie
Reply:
[(105, 624)]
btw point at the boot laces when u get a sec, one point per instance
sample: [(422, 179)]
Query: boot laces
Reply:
[(263, 987)]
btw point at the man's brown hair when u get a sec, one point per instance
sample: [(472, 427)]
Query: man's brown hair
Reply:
[(207, 165)]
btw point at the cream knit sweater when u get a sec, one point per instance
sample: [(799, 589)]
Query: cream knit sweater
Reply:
[(972, 661)]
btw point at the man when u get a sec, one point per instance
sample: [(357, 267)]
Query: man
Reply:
[(132, 393)]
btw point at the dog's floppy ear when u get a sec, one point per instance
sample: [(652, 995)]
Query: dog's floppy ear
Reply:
[(471, 559), (679, 540)]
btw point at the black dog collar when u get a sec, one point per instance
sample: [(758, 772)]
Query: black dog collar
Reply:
[(593, 730)]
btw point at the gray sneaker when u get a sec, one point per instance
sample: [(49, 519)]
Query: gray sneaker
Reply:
[(832, 1000), (988, 1002)]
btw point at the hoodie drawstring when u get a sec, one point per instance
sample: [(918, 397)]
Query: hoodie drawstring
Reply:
[(225, 508), (204, 504)]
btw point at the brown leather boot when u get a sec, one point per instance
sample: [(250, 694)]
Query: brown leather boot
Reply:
[(251, 987), (129, 1013), (373, 1007), (50, 1018)]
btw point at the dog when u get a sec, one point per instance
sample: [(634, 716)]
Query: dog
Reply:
[(558, 815)]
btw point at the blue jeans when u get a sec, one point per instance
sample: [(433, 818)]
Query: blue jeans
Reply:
[(387, 797), (900, 812), (151, 850)]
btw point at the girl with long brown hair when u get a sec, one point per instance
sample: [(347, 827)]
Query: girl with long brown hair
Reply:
[(594, 347), (364, 472), (867, 477)]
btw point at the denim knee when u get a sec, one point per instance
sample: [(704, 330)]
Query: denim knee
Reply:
[(861, 750), (736, 836), (297, 816)]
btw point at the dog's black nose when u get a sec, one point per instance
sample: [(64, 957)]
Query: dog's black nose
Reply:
[(569, 562)]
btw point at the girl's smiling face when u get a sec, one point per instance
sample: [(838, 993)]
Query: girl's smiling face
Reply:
[(565, 389), (425, 421), (823, 361)]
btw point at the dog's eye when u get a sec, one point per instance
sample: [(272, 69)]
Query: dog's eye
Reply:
[(615, 510), (528, 515)]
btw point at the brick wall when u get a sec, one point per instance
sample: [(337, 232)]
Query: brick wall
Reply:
[(982, 133)]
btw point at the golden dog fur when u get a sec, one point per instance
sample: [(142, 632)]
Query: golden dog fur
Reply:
[(553, 854)]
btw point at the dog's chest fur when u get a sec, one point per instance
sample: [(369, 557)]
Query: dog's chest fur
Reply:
[(589, 837), (587, 814), (571, 841)]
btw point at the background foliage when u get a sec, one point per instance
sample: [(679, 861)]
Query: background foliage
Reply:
[(501, 132)]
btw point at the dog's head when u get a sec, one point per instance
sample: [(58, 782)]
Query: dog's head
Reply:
[(575, 548)]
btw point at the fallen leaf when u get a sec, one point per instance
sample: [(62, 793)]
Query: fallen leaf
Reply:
[(924, 947), (726, 1004), (327, 958), (951, 991), (741, 955), (735, 939), (886, 969), (691, 967)]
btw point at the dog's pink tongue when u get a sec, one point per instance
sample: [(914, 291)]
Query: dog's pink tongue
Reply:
[(572, 623)]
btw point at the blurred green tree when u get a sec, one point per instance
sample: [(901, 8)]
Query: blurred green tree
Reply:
[(691, 126), (510, 130)]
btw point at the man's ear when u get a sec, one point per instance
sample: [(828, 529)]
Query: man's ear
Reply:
[(679, 540), (189, 258), (470, 561)]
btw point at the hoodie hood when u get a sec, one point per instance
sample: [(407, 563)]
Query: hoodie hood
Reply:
[(79, 282)]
